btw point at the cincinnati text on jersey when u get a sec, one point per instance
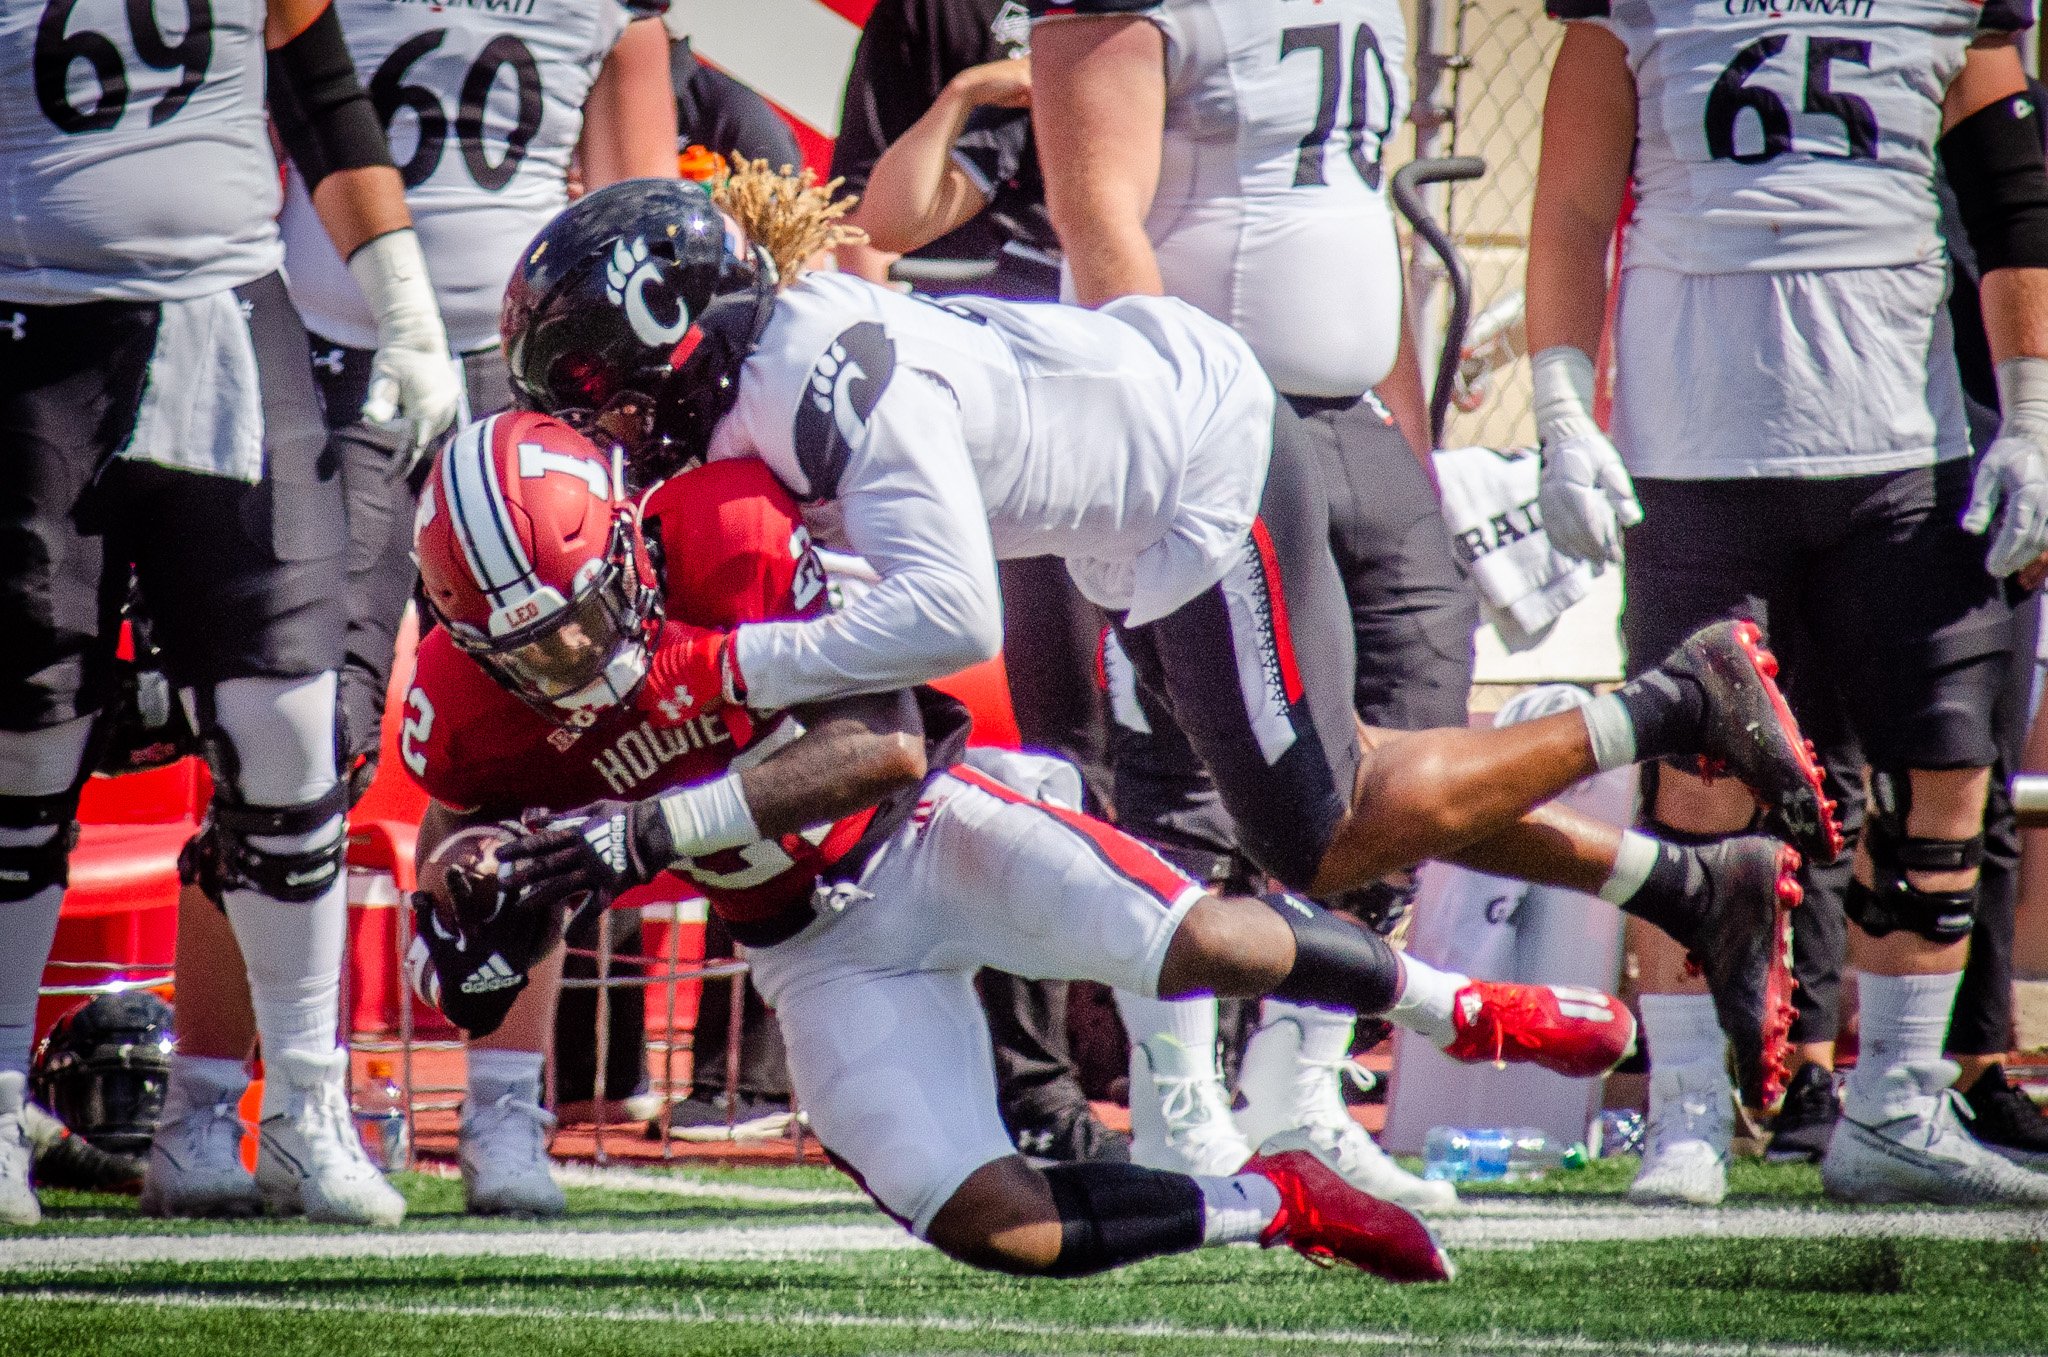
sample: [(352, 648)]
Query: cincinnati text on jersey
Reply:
[(1833, 9)]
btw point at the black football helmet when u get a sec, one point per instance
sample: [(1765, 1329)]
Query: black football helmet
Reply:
[(103, 1069), (629, 315)]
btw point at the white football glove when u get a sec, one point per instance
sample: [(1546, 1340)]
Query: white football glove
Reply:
[(412, 372), (1585, 495), (2011, 485)]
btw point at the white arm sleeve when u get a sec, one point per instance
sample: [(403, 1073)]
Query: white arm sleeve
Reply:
[(914, 511)]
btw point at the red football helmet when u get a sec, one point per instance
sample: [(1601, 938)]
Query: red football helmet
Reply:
[(532, 558)]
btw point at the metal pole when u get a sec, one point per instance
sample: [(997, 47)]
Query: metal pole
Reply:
[(401, 927), (668, 1045), (600, 1081), (732, 1052)]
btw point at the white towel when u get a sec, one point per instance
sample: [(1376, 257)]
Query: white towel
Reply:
[(202, 404), (1489, 504)]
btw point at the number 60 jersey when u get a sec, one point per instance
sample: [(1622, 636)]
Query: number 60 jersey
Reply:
[(483, 103), (1789, 135)]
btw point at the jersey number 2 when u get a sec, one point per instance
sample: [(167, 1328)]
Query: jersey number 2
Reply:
[(56, 50), (1327, 41), (1733, 93), (390, 93)]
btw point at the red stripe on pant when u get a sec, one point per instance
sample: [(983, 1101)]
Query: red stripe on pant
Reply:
[(1283, 635), (1124, 854)]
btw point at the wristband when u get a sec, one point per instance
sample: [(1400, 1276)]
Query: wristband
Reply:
[(707, 818), (2023, 395), (1561, 382)]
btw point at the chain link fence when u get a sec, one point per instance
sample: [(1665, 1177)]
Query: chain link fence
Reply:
[(1481, 70)]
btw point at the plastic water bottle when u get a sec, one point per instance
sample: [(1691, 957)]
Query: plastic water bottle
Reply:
[(380, 1120), (1495, 1154)]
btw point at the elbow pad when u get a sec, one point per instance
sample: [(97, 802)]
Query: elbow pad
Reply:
[(1994, 162), (324, 116)]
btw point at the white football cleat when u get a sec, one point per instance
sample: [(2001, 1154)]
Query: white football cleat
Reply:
[(505, 1157), (195, 1159), (1911, 1147), (1286, 1091), (1180, 1115), (310, 1159), (1685, 1151), (18, 1204)]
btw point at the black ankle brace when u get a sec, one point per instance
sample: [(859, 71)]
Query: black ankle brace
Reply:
[(1113, 1214), (1337, 964)]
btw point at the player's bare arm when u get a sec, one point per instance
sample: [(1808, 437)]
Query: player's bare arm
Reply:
[(916, 193), (1099, 110), (331, 131), (1991, 151), (1586, 498), (629, 117), (854, 752)]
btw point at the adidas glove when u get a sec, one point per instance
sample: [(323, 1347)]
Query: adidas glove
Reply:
[(599, 853), (470, 981), (411, 373), (1585, 496), (2011, 484)]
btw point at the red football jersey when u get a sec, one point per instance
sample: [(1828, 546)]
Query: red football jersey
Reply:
[(733, 550)]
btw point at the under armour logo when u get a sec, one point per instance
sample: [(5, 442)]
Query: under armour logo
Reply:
[(1034, 1142), (329, 361), (248, 308), (16, 325), (677, 705), (626, 276)]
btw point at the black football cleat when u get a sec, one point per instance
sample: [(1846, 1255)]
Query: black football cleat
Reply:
[(1807, 1118), (1749, 733), (2006, 1121), (1746, 888)]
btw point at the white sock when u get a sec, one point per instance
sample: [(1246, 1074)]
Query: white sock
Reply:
[(1191, 1022), (1237, 1209), (203, 1079), (1325, 1032), (293, 952), (1905, 1022), (1682, 1031), (1427, 1001), (27, 928), (1633, 862), (494, 1073)]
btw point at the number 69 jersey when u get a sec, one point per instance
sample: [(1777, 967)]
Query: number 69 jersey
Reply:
[(734, 551), (483, 103), (135, 163), (1789, 135)]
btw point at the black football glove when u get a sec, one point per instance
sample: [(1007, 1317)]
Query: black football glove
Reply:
[(597, 853), (473, 972)]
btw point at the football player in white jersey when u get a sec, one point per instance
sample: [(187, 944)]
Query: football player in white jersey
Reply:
[(158, 414), (1788, 405), (1141, 444), (486, 107), (1234, 155)]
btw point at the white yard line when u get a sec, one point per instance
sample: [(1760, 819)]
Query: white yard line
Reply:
[(1521, 1224), (682, 1185), (1498, 1345)]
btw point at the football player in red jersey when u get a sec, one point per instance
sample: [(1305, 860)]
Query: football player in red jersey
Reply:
[(870, 863)]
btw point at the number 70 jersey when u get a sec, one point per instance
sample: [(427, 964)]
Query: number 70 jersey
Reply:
[(483, 103), (1789, 135)]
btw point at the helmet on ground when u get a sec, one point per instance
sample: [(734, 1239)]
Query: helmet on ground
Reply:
[(103, 1069), (531, 556), (630, 314)]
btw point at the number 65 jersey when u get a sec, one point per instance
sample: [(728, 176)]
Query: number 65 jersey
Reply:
[(1789, 135), (483, 103)]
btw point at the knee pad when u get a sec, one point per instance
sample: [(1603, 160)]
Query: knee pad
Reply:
[(37, 834), (238, 847), (1337, 964), (288, 849), (1892, 902)]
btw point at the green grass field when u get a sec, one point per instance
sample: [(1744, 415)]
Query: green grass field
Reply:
[(789, 1261)]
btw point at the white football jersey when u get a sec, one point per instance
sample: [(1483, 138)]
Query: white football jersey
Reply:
[(135, 162), (483, 102), (1271, 213), (1131, 440), (1777, 135)]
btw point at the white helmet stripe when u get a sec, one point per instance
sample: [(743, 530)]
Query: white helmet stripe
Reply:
[(476, 504)]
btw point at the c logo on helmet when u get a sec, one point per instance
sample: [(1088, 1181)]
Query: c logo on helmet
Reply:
[(626, 277)]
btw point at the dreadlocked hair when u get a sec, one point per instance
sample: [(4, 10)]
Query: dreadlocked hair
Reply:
[(789, 214)]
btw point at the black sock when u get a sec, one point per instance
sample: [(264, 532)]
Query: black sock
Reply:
[(1669, 898), (1113, 1214), (1666, 710)]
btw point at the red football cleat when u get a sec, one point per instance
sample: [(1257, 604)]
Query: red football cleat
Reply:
[(1576, 1032), (1326, 1220)]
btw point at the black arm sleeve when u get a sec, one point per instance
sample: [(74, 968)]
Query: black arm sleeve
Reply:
[(1994, 161), (323, 115)]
